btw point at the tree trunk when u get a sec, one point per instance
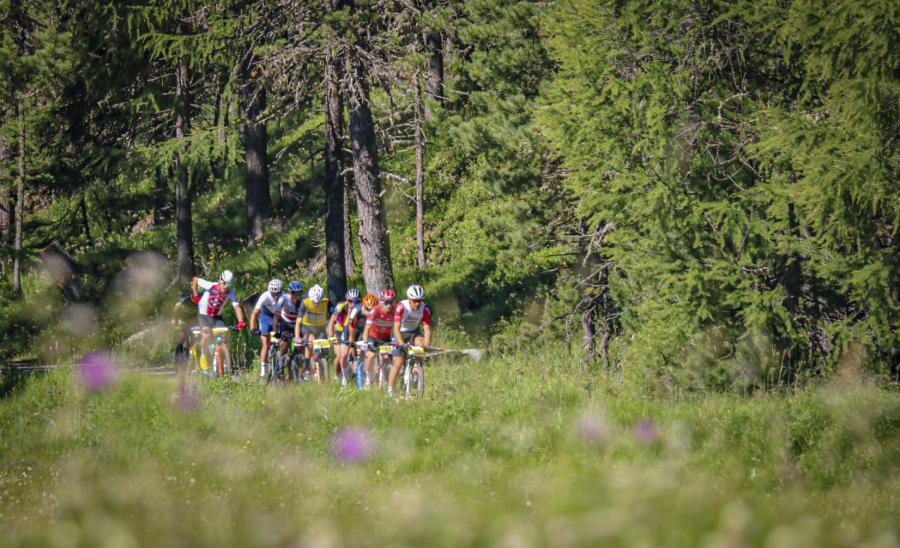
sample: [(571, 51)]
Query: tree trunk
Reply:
[(334, 182), (374, 243), (256, 160), (159, 196), (184, 230), (420, 178), (434, 86), (5, 201), (85, 220), (349, 260), (20, 202)]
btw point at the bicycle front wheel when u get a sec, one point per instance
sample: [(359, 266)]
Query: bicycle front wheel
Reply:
[(417, 380)]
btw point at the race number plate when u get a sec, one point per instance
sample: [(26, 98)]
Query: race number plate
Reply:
[(321, 343), (385, 349), (416, 350)]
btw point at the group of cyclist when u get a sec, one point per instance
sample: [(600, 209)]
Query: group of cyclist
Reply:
[(292, 315)]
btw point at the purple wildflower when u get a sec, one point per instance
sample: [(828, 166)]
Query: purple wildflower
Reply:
[(645, 431), (97, 370), (351, 445)]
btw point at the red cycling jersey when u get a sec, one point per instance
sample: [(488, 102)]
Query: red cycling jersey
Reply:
[(380, 322)]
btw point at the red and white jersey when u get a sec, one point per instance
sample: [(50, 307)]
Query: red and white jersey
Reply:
[(288, 308), (213, 298), (380, 322), (269, 302), (410, 319)]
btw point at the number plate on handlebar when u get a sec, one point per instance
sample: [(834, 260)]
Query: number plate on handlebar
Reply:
[(385, 349), (220, 330), (416, 350), (321, 343)]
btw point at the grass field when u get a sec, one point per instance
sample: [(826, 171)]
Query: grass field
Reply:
[(512, 451)]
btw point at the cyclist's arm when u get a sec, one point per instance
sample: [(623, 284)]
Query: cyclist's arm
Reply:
[(426, 324), (195, 286), (254, 319), (297, 329), (238, 311), (398, 336)]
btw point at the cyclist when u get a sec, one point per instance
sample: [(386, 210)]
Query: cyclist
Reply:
[(285, 322), (343, 325), (311, 319), (262, 319), (379, 323), (412, 325), (183, 314), (209, 306)]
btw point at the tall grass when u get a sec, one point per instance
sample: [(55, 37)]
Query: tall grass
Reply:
[(516, 450)]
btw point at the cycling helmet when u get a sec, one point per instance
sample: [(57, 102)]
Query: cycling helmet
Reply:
[(387, 295), (227, 277), (275, 286), (352, 294), (316, 293), (415, 292), (295, 287), (369, 300)]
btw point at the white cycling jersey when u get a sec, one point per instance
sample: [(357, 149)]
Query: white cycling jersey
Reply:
[(268, 302), (410, 319)]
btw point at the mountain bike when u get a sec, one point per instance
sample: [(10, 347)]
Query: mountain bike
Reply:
[(276, 364), (318, 362), (215, 360), (413, 372)]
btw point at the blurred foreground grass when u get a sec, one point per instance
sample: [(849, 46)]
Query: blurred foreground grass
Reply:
[(514, 451)]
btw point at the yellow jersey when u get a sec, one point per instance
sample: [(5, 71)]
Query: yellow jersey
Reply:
[(315, 315)]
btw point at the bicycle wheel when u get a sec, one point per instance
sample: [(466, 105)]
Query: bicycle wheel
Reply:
[(322, 369), (416, 381), (272, 364)]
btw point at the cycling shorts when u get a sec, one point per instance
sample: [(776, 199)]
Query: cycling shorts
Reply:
[(316, 331), (210, 321), (266, 319), (378, 342), (343, 337)]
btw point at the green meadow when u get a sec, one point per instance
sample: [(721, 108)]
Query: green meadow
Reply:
[(518, 450)]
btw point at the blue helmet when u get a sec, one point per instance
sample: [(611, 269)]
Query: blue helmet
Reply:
[(295, 287)]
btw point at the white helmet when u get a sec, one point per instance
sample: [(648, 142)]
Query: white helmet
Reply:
[(415, 292), (227, 277), (275, 286), (316, 293)]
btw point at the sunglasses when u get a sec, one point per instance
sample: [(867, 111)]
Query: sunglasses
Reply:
[(417, 301)]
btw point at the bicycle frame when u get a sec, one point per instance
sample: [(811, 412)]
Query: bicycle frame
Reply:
[(217, 351)]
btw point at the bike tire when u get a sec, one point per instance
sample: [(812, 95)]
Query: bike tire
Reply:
[(322, 369), (417, 380)]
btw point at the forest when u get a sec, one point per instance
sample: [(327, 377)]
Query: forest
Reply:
[(692, 191), (667, 230)]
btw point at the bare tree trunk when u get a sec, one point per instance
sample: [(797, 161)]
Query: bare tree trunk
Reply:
[(5, 201), (434, 85), (159, 195), (256, 160), (85, 221), (374, 242), (334, 182), (349, 260), (20, 202), (420, 178), (184, 230)]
